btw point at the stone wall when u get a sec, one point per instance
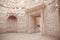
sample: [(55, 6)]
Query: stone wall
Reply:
[(21, 24), (17, 8), (51, 20)]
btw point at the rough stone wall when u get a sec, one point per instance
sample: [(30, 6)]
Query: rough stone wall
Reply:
[(17, 8), (51, 19), (20, 26)]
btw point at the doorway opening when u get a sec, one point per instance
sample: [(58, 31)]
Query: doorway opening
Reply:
[(37, 24)]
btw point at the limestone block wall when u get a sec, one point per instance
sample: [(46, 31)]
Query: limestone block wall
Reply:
[(23, 23), (20, 26), (51, 20), (17, 8)]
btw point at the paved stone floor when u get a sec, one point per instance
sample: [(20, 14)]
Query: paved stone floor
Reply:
[(22, 36)]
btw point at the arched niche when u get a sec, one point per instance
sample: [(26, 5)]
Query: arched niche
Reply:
[(12, 18), (12, 24)]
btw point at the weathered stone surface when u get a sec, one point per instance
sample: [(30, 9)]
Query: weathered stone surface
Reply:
[(51, 20), (17, 8), (20, 16)]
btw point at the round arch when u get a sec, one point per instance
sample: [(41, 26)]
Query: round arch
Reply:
[(12, 21), (12, 18)]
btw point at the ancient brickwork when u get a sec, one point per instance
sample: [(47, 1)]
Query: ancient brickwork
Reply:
[(17, 8), (51, 19)]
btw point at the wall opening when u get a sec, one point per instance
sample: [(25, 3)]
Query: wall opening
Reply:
[(12, 18), (12, 24), (37, 19), (36, 23)]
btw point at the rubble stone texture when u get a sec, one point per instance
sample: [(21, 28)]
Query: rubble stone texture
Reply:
[(30, 16)]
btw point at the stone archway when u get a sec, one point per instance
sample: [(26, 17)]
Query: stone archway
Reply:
[(12, 23), (12, 18)]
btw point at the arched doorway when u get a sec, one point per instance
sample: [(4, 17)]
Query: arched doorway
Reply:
[(12, 24)]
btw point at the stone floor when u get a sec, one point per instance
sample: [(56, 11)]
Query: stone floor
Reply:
[(22, 36)]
